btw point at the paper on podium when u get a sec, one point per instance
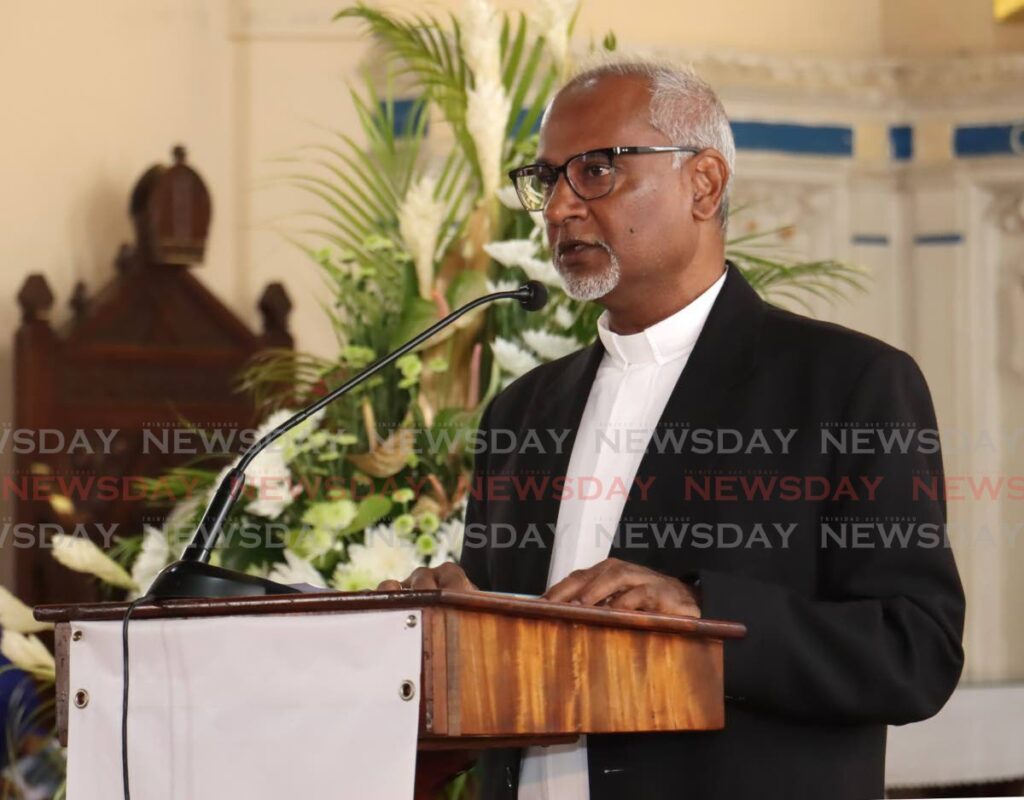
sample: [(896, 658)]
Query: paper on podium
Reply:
[(262, 707)]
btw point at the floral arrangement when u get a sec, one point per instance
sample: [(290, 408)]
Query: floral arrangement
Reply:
[(406, 225)]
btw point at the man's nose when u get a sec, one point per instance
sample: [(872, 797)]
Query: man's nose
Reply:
[(564, 203)]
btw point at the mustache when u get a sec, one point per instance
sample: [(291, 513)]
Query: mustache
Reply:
[(564, 245)]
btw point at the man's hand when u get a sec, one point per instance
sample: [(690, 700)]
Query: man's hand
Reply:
[(447, 576), (619, 584)]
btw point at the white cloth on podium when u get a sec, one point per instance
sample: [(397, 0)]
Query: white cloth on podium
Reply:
[(260, 707)]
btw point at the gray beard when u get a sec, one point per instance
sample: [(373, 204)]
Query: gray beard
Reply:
[(591, 287)]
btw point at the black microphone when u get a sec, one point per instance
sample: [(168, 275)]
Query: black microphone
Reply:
[(193, 575)]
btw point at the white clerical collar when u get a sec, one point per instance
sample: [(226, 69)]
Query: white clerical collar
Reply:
[(674, 337)]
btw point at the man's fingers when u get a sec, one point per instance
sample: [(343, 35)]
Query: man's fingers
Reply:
[(588, 586), (639, 598), (389, 586), (450, 575), (422, 578), (566, 590), (609, 585)]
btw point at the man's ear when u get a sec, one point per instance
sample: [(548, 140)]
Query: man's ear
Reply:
[(710, 177)]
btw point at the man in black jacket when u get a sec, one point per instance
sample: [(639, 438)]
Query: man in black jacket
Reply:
[(789, 476)]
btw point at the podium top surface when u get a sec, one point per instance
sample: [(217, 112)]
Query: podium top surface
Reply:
[(326, 602)]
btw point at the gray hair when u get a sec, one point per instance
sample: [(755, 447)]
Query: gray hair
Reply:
[(683, 107)]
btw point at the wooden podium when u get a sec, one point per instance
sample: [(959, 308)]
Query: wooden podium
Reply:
[(499, 670)]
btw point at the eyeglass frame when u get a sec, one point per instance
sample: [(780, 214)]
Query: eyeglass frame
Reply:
[(611, 152)]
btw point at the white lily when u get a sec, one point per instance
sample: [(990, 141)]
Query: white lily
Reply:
[(153, 557), (82, 555), (28, 653), (16, 616)]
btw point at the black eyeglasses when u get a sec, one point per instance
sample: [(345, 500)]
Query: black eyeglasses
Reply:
[(590, 175)]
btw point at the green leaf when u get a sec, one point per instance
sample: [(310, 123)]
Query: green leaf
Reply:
[(609, 42), (468, 285), (417, 315), (370, 510)]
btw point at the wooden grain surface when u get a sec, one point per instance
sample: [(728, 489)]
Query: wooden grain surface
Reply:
[(362, 601)]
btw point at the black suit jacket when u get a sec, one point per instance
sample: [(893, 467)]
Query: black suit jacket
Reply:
[(844, 636)]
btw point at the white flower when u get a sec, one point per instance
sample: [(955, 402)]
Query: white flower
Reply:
[(512, 358), (550, 346), (511, 252), (295, 570), (481, 37), (563, 317), (153, 557), (449, 541), (385, 555), (522, 253), (81, 555), (291, 443), (269, 475), (553, 17), (501, 286), (542, 270), (179, 524), (331, 516), (27, 652), (420, 217), (16, 616), (507, 197), (487, 110)]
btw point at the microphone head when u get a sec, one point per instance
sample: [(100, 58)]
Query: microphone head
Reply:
[(532, 295)]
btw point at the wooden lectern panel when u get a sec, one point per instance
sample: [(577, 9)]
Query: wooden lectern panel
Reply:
[(501, 670)]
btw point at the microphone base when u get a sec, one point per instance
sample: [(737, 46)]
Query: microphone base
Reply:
[(199, 579)]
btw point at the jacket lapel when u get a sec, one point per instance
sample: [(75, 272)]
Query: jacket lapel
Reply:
[(721, 359), (560, 409)]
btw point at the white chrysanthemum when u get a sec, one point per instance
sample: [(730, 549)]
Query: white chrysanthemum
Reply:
[(269, 475), (507, 197), (179, 524), (385, 555), (296, 570), (82, 555), (563, 317), (511, 252), (16, 616), (550, 346), (502, 286), (481, 38), (153, 557), (487, 110), (554, 17), (27, 652), (420, 218), (512, 358), (449, 541), (332, 516), (291, 443), (544, 271)]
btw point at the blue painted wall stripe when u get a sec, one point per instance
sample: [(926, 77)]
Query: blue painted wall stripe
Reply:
[(989, 140), (870, 239), (824, 140), (404, 120), (901, 142), (938, 239)]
